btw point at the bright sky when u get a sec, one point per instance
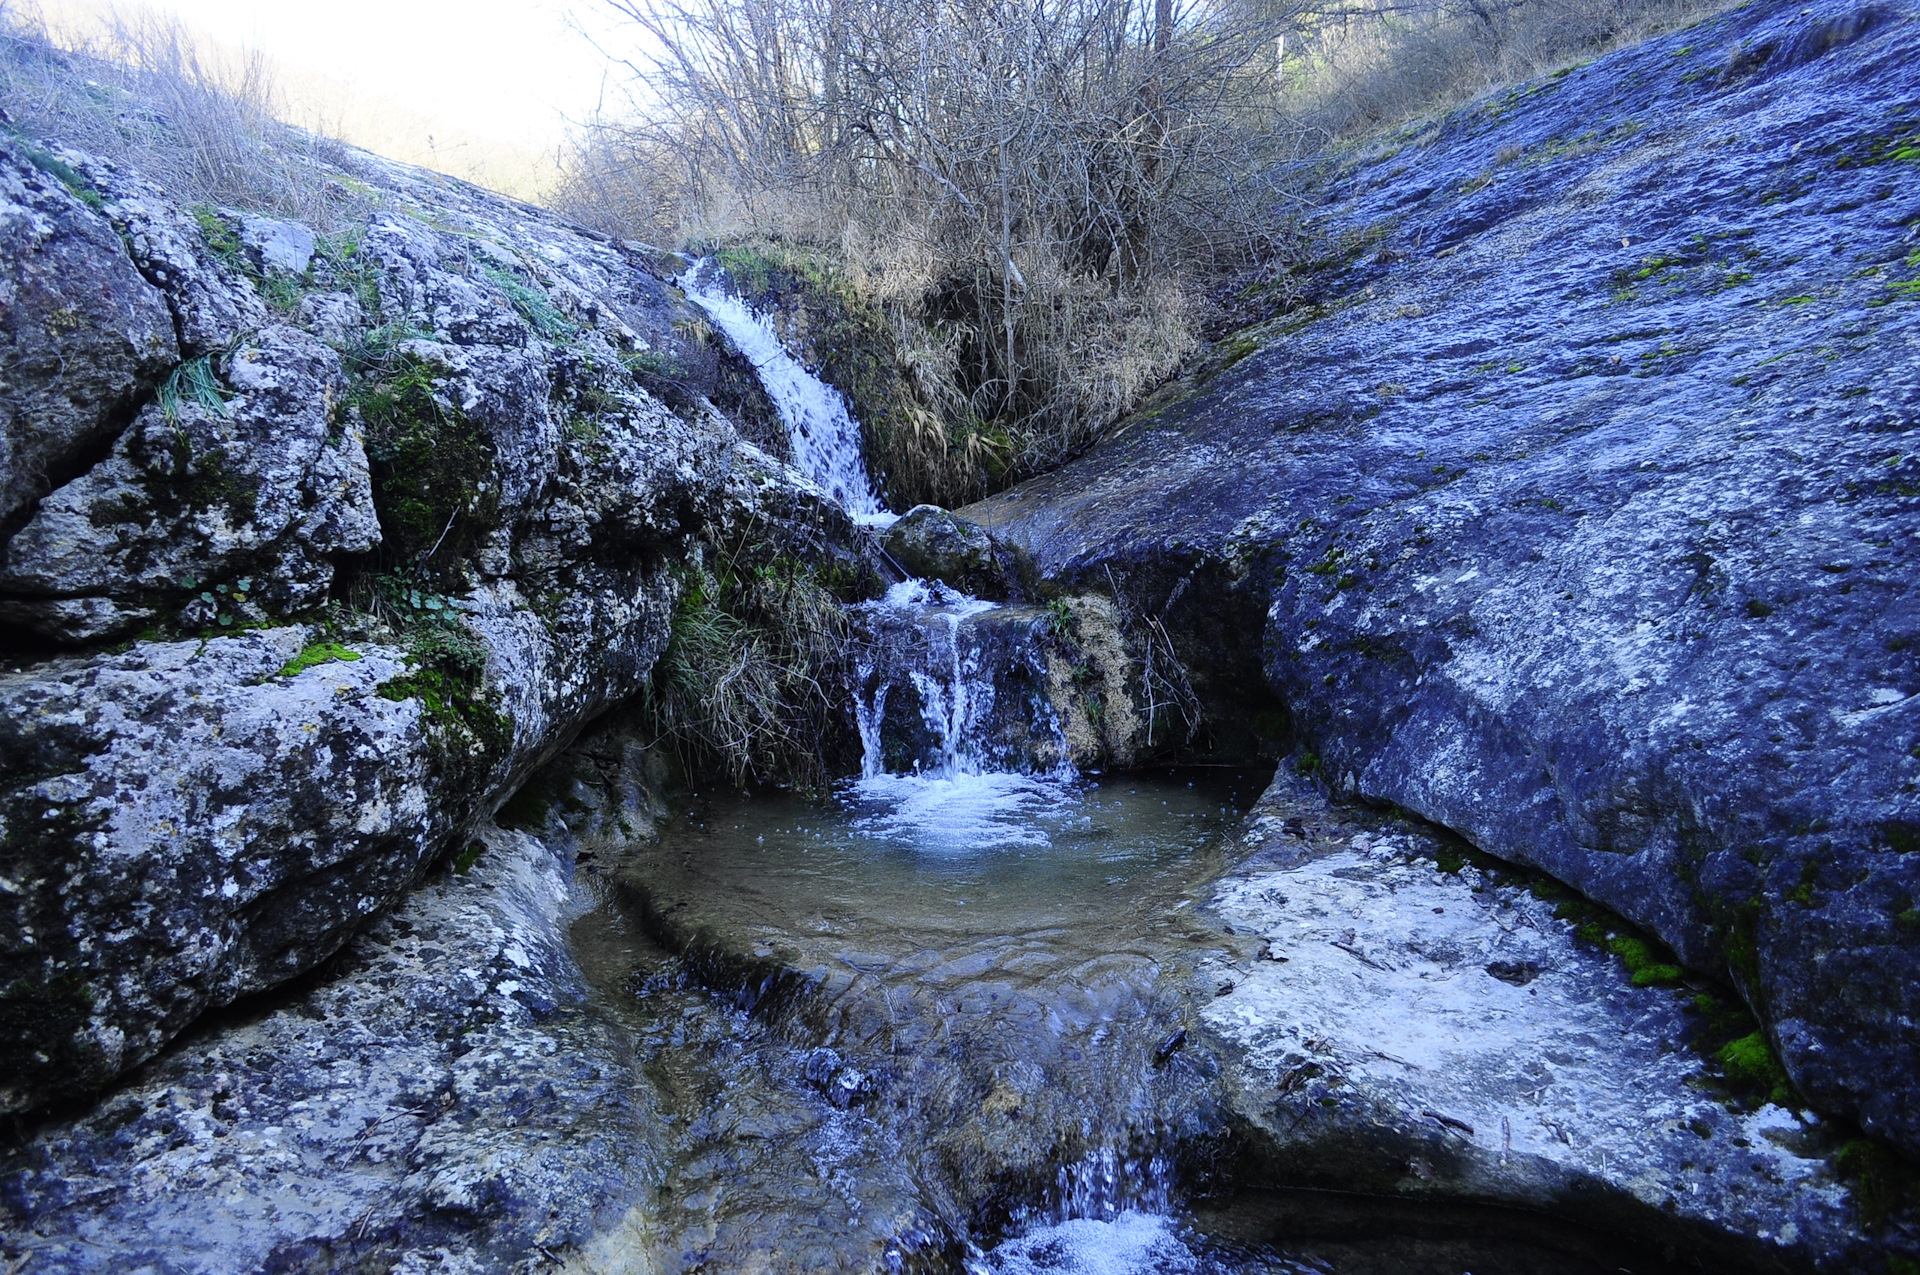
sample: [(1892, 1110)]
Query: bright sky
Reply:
[(511, 70), (482, 89)]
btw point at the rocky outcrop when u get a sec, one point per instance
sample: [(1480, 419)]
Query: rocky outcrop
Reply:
[(933, 544), (1578, 512), (265, 490), (400, 521), (1401, 1022), (447, 1095), (85, 336)]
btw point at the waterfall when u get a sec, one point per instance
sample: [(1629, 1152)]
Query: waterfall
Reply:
[(971, 677), (924, 618), (824, 437)]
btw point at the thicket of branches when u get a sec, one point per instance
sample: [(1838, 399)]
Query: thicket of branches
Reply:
[(1029, 188), (1040, 195)]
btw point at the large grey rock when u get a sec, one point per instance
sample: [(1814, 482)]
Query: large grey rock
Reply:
[(82, 335), (286, 246), (446, 1098), (1578, 514), (1401, 1030), (935, 544), (258, 495), (184, 823), (213, 304)]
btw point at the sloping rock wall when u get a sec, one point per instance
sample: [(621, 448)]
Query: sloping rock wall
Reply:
[(397, 517), (1579, 511)]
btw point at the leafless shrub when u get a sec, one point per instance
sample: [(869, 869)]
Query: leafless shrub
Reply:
[(150, 96), (1028, 188)]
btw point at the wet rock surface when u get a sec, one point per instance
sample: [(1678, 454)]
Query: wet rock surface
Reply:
[(932, 543), (446, 1094), (945, 682), (1578, 513), (1396, 1029)]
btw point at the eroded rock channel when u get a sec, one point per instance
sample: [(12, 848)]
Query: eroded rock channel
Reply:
[(354, 916)]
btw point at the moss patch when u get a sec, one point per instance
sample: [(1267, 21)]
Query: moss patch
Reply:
[(316, 654), (447, 676), (431, 467)]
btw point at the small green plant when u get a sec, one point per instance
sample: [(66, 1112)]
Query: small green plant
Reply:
[(315, 654), (469, 856), (1061, 621), (194, 383), (432, 468), (53, 166), (532, 304), (220, 239), (447, 674)]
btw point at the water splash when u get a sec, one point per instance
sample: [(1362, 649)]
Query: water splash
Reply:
[(1111, 1214), (822, 433), (946, 673)]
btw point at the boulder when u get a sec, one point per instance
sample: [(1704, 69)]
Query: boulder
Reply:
[(83, 337), (1403, 1023), (252, 489), (447, 1094), (1578, 511), (377, 577), (934, 544)]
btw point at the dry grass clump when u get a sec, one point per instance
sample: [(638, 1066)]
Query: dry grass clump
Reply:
[(149, 96), (1360, 67), (754, 674)]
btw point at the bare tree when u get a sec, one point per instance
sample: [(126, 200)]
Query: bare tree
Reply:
[(1029, 186)]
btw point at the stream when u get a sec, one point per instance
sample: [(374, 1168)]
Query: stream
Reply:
[(948, 1020)]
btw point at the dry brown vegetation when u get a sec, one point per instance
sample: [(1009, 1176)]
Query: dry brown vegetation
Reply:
[(1048, 200), (1027, 190), (148, 94)]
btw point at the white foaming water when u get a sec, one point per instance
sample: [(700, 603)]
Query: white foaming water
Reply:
[(823, 435), (954, 697), (1133, 1243), (1110, 1216), (961, 812)]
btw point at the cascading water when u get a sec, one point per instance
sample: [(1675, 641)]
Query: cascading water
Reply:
[(966, 766), (822, 433), (927, 643)]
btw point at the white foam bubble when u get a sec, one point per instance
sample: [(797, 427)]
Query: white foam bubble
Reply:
[(960, 812), (1132, 1243)]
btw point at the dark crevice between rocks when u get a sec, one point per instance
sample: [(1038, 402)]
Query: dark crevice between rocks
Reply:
[(1358, 1232)]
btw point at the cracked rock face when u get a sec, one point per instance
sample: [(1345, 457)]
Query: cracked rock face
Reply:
[(445, 1098), (1395, 1028), (217, 807), (82, 334), (1577, 512), (266, 488)]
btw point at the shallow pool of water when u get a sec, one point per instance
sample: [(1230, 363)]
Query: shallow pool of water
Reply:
[(942, 1025), (892, 1028)]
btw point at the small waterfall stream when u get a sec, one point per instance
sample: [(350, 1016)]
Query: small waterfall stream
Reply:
[(824, 437), (970, 918)]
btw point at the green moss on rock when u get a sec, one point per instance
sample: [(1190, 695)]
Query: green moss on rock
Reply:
[(431, 466)]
